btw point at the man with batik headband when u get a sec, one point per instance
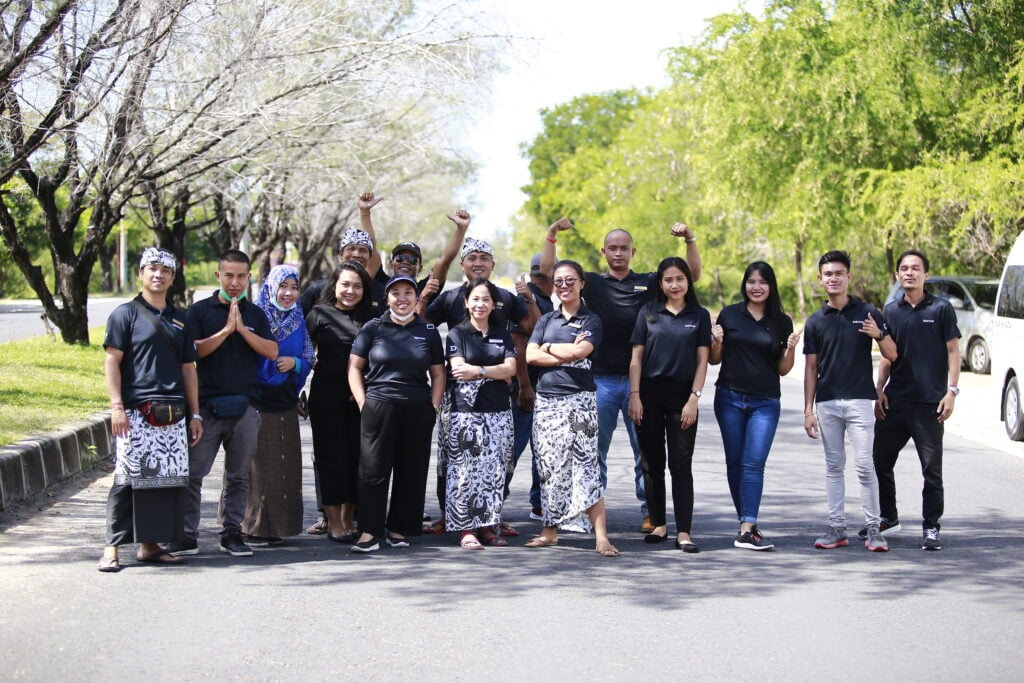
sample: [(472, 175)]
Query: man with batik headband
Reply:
[(355, 245), (154, 400), (512, 312)]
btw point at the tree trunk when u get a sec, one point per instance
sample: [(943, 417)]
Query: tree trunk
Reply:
[(798, 268)]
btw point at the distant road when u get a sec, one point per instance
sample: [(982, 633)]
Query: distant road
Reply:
[(21, 318)]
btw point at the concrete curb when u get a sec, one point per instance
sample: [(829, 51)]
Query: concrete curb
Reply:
[(31, 466)]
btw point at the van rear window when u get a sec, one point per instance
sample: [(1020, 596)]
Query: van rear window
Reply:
[(1011, 296)]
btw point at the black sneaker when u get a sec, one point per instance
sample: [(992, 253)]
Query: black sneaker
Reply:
[(189, 546), (752, 540), (885, 527), (234, 546), (931, 540), (371, 546), (398, 542)]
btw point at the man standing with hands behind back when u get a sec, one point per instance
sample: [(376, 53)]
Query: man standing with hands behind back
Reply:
[(916, 393), (230, 336), (616, 296), (838, 392)]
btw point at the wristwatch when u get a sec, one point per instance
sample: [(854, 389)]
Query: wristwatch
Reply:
[(197, 416), (483, 371), (696, 392), (955, 389)]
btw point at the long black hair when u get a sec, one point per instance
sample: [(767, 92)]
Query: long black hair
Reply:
[(675, 262), (364, 309), (772, 306), (492, 290)]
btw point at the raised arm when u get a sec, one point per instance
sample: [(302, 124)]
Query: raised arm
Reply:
[(548, 257), (366, 202), (461, 219), (692, 253)]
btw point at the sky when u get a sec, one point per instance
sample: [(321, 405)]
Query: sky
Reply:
[(574, 47)]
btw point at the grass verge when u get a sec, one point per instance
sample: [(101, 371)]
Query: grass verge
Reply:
[(46, 384)]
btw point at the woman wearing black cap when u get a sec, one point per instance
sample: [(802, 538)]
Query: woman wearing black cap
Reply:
[(565, 415), (388, 374), (666, 376), (333, 414)]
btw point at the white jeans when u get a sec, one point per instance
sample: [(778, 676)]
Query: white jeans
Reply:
[(836, 420)]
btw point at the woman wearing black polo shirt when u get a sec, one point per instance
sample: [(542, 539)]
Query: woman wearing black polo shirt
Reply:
[(666, 376), (479, 444), (565, 415), (388, 374), (754, 341), (333, 414)]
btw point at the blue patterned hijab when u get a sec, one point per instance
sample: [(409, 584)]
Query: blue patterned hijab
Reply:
[(282, 323)]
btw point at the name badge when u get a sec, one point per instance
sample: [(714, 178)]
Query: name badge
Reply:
[(639, 288), (177, 323), (576, 325)]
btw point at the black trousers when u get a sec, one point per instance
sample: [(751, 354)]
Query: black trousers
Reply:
[(395, 440), (336, 440), (905, 421), (663, 402)]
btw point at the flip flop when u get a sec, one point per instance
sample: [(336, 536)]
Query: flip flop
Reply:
[(318, 529), (161, 557), (109, 564), (493, 539), (435, 528), (508, 530), (470, 542), (540, 542)]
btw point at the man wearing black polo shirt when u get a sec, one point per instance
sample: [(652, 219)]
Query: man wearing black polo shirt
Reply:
[(838, 386), (149, 368), (916, 393), (230, 335), (616, 296)]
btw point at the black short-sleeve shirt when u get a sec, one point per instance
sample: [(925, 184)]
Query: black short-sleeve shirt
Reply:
[(232, 368), (750, 352), (332, 330), (617, 303), (845, 369), (449, 307), (564, 380), (670, 340), (398, 358), (465, 341), (920, 373), (151, 366), (545, 306)]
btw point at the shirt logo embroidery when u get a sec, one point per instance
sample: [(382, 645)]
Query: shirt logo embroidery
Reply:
[(639, 288), (430, 326), (452, 349)]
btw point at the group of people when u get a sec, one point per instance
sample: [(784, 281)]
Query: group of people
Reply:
[(553, 365)]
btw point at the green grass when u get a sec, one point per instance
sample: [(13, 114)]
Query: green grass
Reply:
[(45, 385)]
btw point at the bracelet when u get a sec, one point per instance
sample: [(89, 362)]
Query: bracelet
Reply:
[(530, 301), (808, 414), (690, 240), (553, 241), (197, 416), (635, 392)]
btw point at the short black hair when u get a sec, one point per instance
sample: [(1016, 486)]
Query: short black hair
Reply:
[(834, 256), (913, 252), (234, 256)]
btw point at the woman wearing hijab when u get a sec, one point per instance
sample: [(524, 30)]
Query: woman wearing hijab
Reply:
[(274, 508)]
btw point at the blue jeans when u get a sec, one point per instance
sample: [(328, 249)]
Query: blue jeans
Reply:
[(522, 425), (613, 399), (748, 426)]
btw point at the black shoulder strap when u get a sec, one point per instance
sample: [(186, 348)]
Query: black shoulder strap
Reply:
[(148, 315)]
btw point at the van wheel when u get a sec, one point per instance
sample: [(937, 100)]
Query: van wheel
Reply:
[(978, 358), (1013, 420)]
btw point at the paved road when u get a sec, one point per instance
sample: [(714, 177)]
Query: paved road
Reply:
[(23, 318), (312, 610)]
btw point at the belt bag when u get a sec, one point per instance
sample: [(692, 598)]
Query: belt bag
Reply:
[(163, 413), (228, 407)]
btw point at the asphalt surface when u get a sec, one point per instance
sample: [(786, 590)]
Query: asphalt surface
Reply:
[(311, 609)]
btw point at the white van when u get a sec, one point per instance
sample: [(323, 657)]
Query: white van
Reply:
[(1008, 342)]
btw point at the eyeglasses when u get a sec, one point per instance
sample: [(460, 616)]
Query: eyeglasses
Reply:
[(406, 258), (565, 281)]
